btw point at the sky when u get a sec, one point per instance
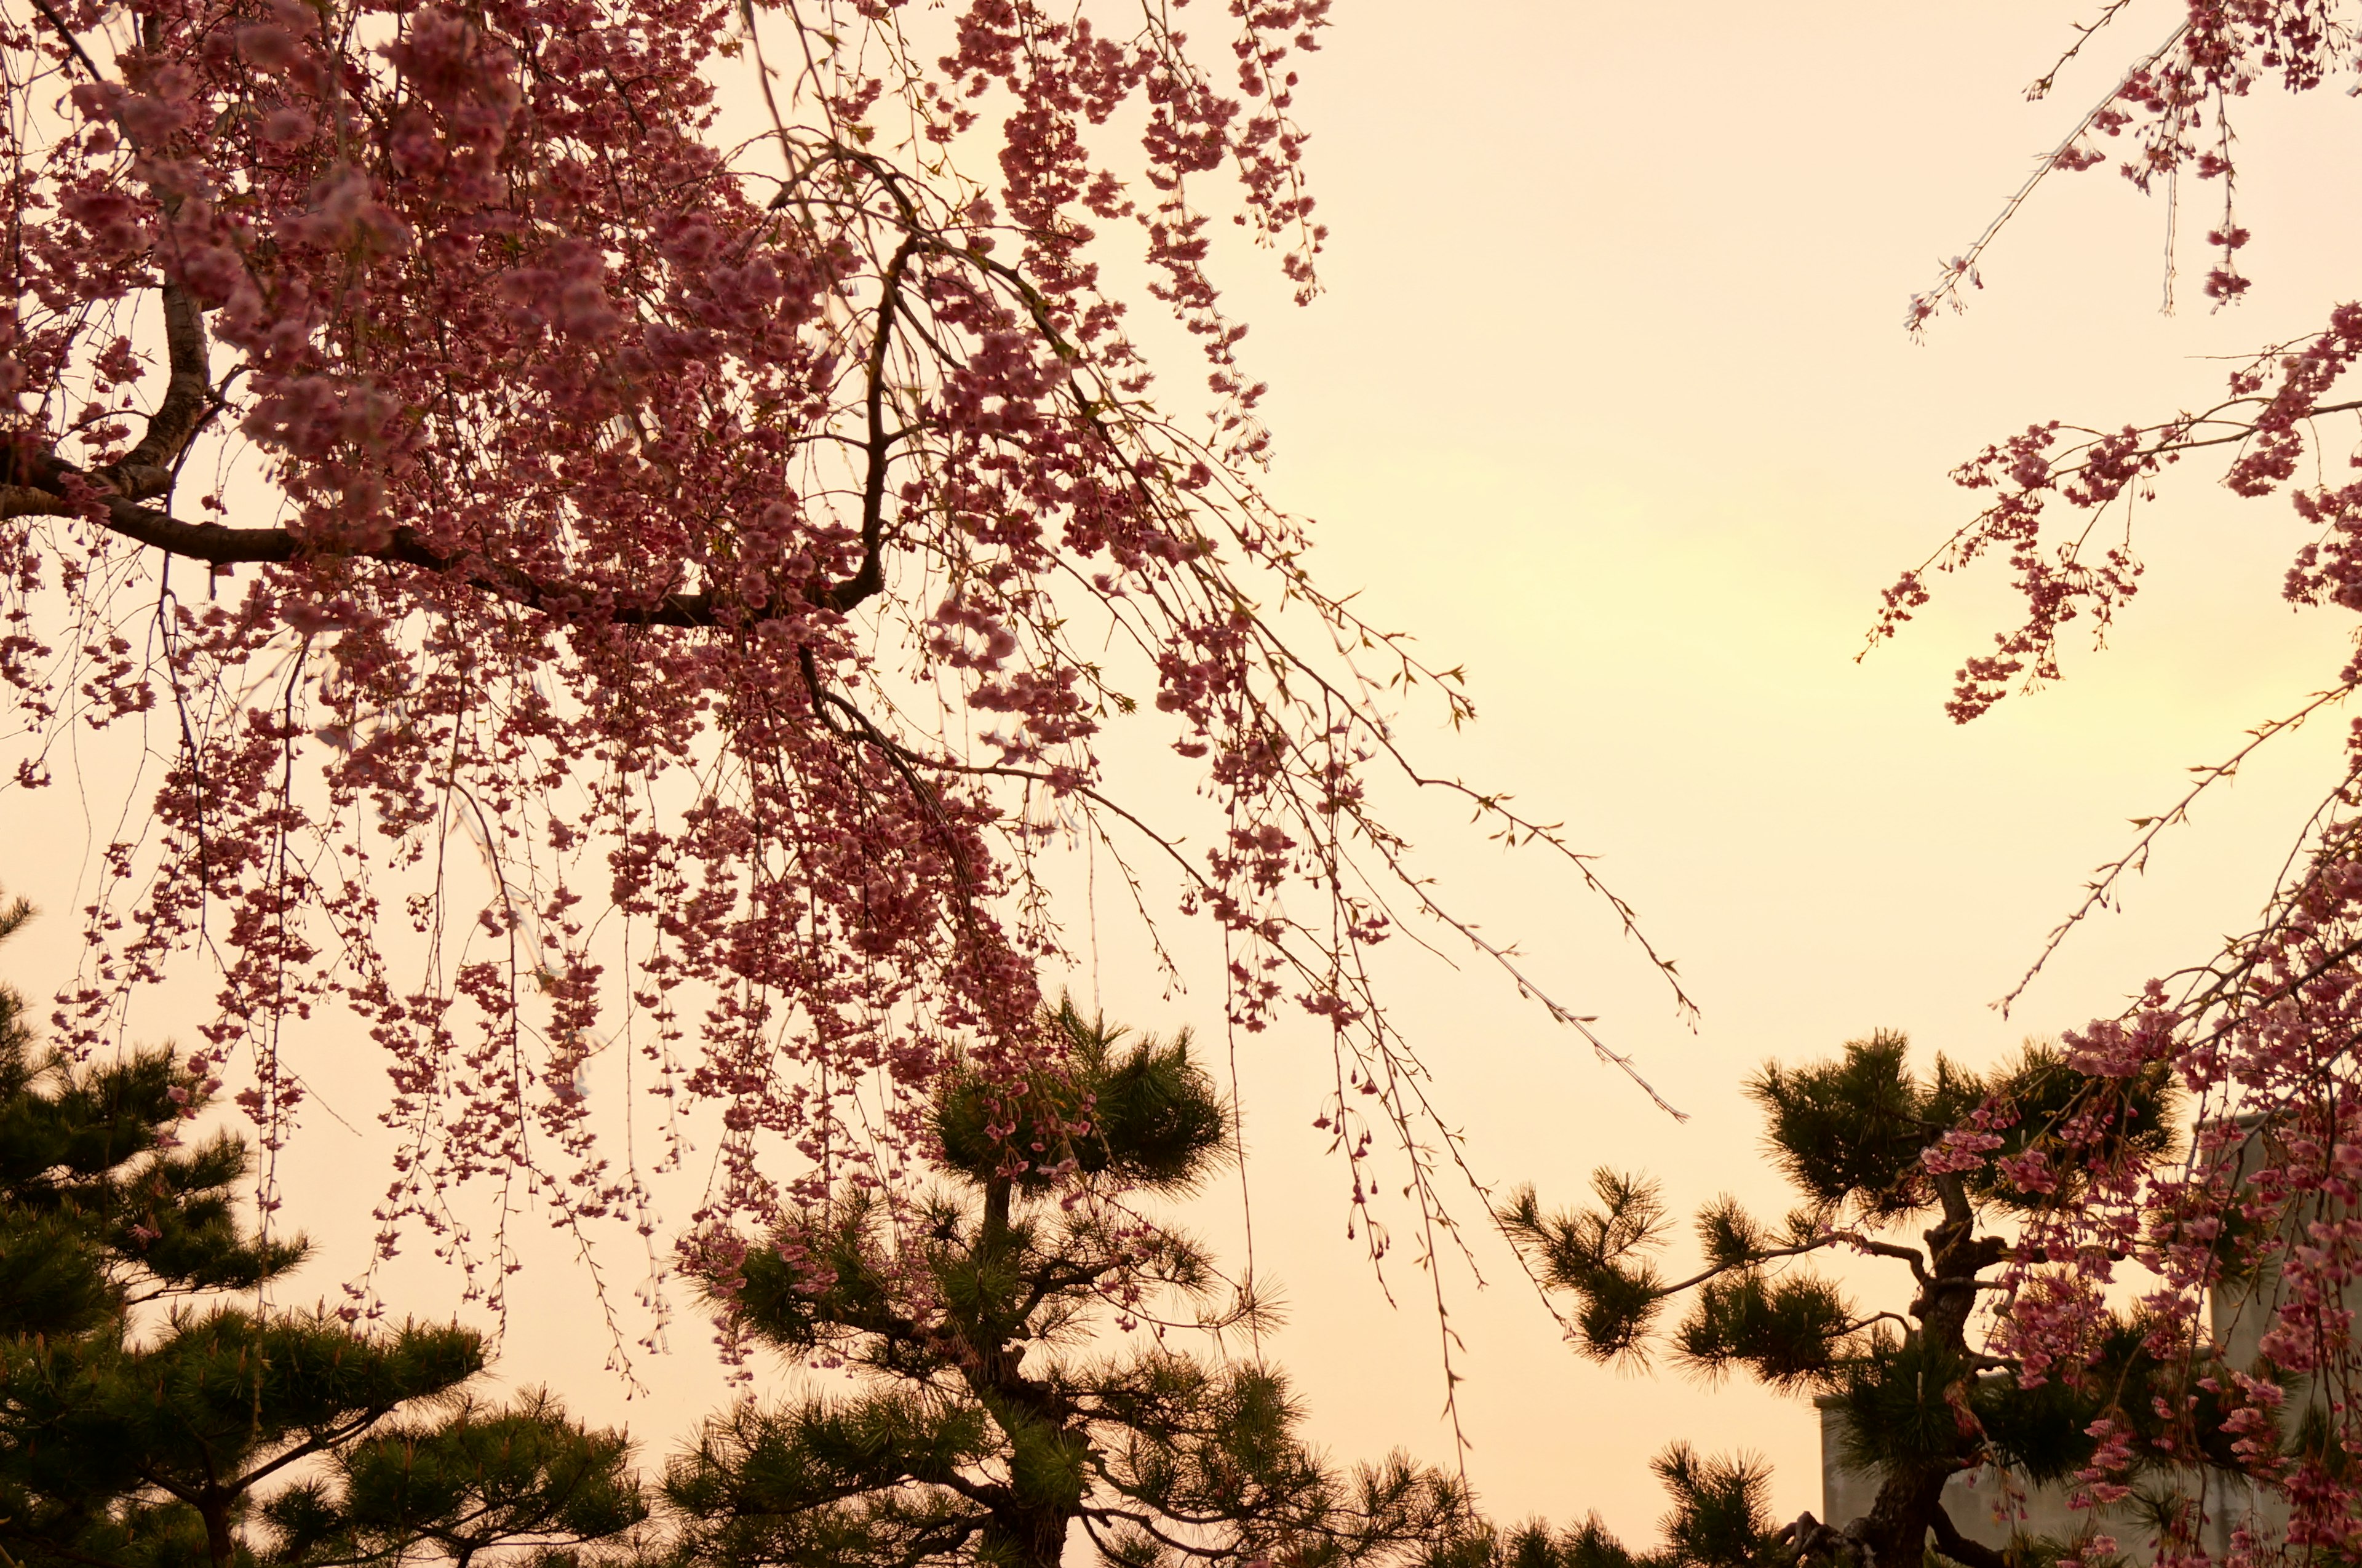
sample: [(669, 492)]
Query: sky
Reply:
[(1608, 399)]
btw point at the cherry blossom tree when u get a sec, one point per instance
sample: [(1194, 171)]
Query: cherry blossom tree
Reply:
[(2261, 1035), (638, 522)]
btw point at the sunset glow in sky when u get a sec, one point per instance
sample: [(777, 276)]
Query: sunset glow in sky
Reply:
[(1608, 399)]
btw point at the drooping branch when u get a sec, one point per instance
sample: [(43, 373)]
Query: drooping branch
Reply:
[(219, 545), (879, 448), (39, 483), (675, 392), (2101, 891)]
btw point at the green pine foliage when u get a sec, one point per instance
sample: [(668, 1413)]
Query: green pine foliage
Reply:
[(100, 1206), (1720, 1519), (1921, 1401), (1014, 1371), (519, 1480), (203, 1415), (146, 1421)]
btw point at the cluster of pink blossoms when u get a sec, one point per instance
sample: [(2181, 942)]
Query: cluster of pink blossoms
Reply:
[(610, 533), (2251, 1244)]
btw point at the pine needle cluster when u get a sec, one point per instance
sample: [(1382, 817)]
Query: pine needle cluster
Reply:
[(1013, 1342), (148, 1420), (1921, 1398)]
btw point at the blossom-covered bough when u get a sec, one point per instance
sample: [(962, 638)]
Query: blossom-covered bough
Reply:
[(602, 530), (2265, 1215)]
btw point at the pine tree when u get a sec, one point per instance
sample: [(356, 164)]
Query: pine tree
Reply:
[(1920, 1399), (101, 1208), (990, 1411), (1720, 1519), (228, 1435), (512, 1477)]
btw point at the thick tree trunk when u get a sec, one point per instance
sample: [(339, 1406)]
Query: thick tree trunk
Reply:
[(1908, 1518), (1897, 1525), (1032, 1538), (219, 1547), (1962, 1550), (1908, 1512), (1032, 1534)]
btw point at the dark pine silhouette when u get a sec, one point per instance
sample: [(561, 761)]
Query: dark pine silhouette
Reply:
[(148, 1421), (989, 1411), (1920, 1395)]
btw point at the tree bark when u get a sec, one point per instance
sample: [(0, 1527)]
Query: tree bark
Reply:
[(1031, 1533), (39, 483), (213, 1508), (1909, 1508)]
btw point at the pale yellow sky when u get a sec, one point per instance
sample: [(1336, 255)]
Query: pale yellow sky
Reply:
[(1609, 399)]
